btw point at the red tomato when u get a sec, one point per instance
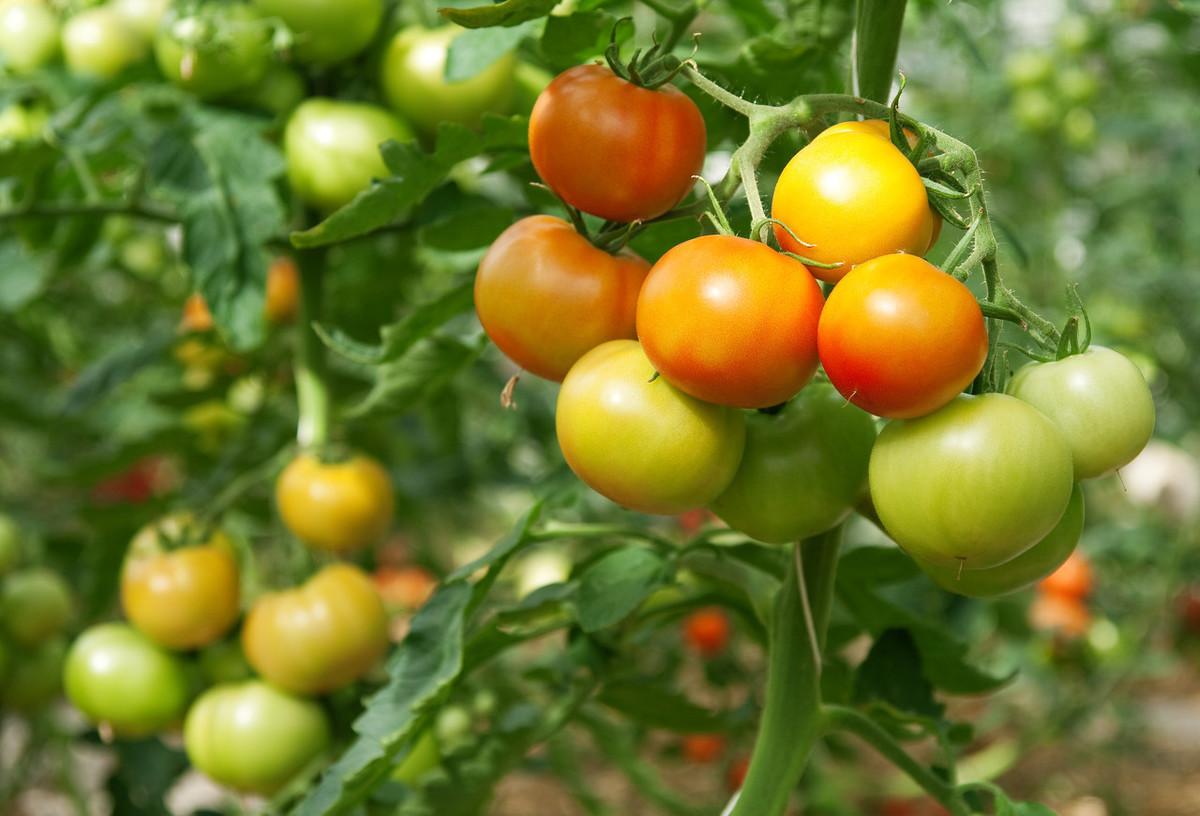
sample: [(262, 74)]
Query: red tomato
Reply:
[(731, 321), (1189, 609), (735, 777), (613, 149), (690, 521), (1063, 614), (136, 484), (546, 296), (1072, 580), (702, 748), (900, 338), (706, 631)]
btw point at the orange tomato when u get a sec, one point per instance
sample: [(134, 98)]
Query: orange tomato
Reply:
[(1072, 580), (900, 338), (731, 321), (546, 296), (853, 196), (283, 290), (614, 149), (702, 748), (706, 631), (406, 588), (196, 316), (1063, 614), (335, 506)]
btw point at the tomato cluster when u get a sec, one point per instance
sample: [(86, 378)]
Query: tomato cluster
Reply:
[(658, 366)]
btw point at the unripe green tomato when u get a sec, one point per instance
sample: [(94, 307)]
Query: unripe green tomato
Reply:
[(327, 31), (145, 255), (1075, 32), (34, 677), (979, 481), (213, 55), (1077, 85), (143, 16), (99, 43), (1028, 68), (253, 737), (120, 678), (1100, 402), (22, 123), (414, 83), (422, 758), (453, 728), (803, 469), (1026, 569), (36, 605), (225, 662), (29, 35), (10, 543), (279, 91), (1035, 110), (1079, 128), (332, 149)]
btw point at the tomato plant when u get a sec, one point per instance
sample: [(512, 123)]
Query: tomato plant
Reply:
[(327, 31), (213, 54), (338, 506)]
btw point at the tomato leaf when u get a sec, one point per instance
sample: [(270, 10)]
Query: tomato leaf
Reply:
[(416, 376), (614, 586), (655, 706), (505, 13), (892, 673), (474, 50)]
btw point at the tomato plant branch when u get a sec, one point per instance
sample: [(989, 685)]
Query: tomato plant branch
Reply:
[(68, 209), (312, 390)]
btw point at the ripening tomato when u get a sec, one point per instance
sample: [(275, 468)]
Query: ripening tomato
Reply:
[(283, 290), (1026, 569), (336, 506), (735, 777), (28, 35), (1062, 614), (320, 636), (253, 737), (35, 604), (118, 677), (853, 197), (1073, 579), (702, 748), (900, 338), (546, 296), (614, 149), (1098, 399), (211, 54), (979, 482), (414, 82), (706, 631), (803, 470), (327, 31), (405, 588), (332, 149), (730, 321), (181, 597), (636, 439), (196, 316), (99, 43)]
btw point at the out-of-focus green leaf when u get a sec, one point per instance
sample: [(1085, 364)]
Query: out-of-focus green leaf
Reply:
[(504, 13)]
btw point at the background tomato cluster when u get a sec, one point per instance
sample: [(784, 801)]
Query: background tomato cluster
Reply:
[(111, 417)]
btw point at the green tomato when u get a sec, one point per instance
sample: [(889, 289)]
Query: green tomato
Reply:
[(22, 123), (279, 91), (422, 758), (213, 54), (1075, 32), (98, 43), (1079, 128), (979, 481), (1100, 402), (10, 543), (327, 31), (1025, 69), (454, 728), (34, 677), (638, 440), (803, 469), (332, 149), (253, 737), (413, 80), (28, 35), (1026, 569), (143, 16), (36, 605), (225, 662), (1077, 85), (1035, 110), (120, 678)]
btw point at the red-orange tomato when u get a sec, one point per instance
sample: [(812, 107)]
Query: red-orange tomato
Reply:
[(614, 149), (702, 748), (735, 777), (900, 338), (731, 321), (546, 296), (404, 588), (1072, 580), (706, 631), (1061, 614)]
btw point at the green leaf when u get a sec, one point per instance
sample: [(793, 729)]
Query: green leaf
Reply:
[(655, 706), (99, 378), (24, 274), (472, 51), (505, 13), (403, 383), (471, 227), (575, 38), (892, 673), (615, 585)]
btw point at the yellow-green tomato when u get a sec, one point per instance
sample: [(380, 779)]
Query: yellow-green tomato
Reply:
[(120, 678), (34, 676), (414, 82), (99, 43), (421, 758), (143, 16), (327, 31), (1100, 402), (22, 123), (253, 737), (636, 439), (28, 35), (1026, 569), (803, 469), (36, 605), (215, 53), (332, 149), (977, 482)]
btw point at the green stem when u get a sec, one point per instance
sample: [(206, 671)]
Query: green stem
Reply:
[(312, 390), (791, 718), (560, 531), (876, 43), (68, 209)]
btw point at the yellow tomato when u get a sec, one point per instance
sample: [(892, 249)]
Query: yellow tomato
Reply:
[(335, 506)]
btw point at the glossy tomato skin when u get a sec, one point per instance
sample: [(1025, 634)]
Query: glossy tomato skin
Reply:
[(854, 197), (899, 338), (731, 321), (180, 598), (413, 80), (706, 631), (36, 604), (1072, 579), (28, 35), (119, 677), (332, 149), (235, 56), (546, 296), (335, 506), (1031, 566), (1098, 399), (320, 636), (253, 737), (327, 31), (98, 43), (644, 444), (980, 481), (613, 149), (803, 470), (34, 676)]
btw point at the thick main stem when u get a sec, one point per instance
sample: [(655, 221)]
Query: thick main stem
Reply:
[(312, 390), (791, 719)]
